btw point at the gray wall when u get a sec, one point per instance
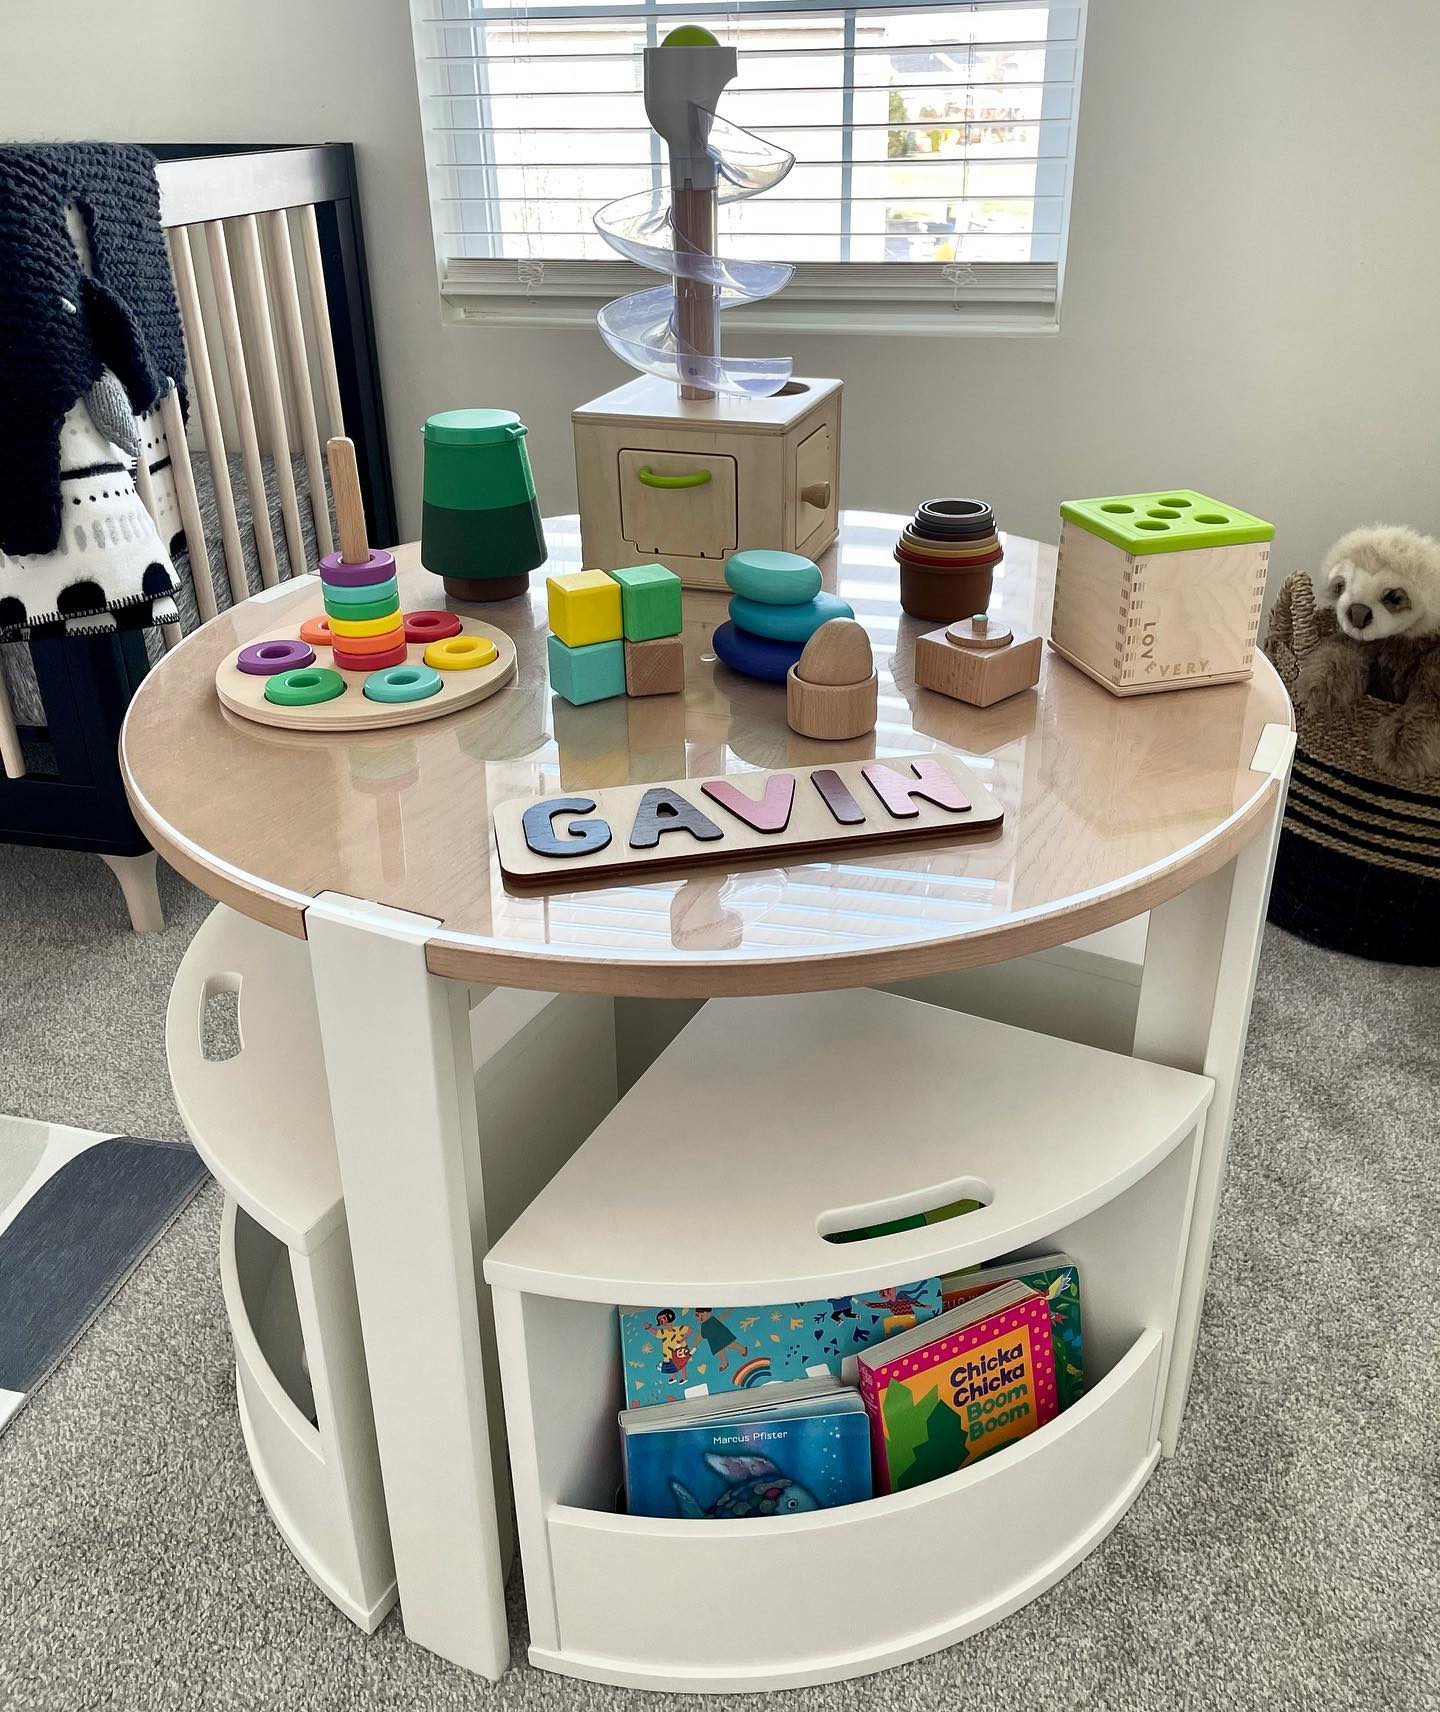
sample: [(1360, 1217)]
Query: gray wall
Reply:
[(1248, 301)]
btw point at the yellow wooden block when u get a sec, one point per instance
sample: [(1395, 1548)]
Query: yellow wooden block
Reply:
[(366, 626), (584, 607)]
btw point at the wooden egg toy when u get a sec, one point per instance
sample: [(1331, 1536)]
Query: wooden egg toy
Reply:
[(979, 660), (832, 691)]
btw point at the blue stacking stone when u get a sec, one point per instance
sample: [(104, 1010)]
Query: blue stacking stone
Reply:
[(768, 575), (755, 656), (796, 623)]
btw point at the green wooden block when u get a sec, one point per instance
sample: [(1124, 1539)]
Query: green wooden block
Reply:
[(1170, 520), (649, 601), (593, 673)]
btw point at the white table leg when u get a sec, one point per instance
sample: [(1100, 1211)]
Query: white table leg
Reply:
[(401, 1078), (1201, 956)]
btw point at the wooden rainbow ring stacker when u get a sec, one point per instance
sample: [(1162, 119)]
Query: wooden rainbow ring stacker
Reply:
[(376, 675)]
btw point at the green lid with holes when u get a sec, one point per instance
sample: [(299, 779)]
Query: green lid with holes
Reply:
[(1171, 520)]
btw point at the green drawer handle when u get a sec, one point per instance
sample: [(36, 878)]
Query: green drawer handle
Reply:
[(697, 479)]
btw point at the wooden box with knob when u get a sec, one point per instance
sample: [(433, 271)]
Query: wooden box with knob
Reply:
[(687, 482)]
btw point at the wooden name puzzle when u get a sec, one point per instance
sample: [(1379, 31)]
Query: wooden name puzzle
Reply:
[(795, 811)]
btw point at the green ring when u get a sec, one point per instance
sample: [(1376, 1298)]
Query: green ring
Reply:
[(413, 682), (360, 610), (304, 686)]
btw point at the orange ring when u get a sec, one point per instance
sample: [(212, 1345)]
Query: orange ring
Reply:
[(316, 631), (369, 644)]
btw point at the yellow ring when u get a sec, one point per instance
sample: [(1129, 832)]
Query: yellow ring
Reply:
[(461, 653), (365, 626)]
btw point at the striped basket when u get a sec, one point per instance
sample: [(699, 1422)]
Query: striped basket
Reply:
[(1359, 863)]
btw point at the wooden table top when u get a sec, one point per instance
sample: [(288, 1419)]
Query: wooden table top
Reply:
[(1112, 804)]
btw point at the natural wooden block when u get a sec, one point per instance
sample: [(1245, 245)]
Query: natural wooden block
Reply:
[(979, 667), (656, 667), (1138, 619), (584, 608), (686, 482)]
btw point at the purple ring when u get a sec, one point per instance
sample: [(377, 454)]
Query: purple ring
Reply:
[(378, 568), (264, 659)]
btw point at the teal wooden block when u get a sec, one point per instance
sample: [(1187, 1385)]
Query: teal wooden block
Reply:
[(796, 623), (649, 601), (593, 673)]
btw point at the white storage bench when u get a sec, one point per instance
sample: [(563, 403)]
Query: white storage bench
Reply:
[(765, 1126), (261, 1121)]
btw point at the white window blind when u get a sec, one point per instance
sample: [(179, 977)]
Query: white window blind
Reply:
[(933, 147)]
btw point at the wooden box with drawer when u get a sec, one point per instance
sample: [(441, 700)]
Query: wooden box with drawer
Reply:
[(688, 482)]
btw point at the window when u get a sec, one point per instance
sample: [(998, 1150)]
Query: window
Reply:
[(933, 147)]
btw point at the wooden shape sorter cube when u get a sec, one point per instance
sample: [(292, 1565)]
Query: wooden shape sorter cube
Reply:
[(687, 481), (977, 660), (1158, 591), (584, 608), (656, 667), (592, 673), (650, 602)]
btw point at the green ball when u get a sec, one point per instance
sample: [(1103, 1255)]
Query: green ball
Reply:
[(690, 36)]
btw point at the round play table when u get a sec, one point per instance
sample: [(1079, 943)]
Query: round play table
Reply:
[(1114, 807)]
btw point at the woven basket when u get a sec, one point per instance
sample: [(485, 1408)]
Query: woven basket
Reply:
[(1358, 868)]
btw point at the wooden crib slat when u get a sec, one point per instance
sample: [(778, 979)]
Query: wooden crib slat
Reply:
[(203, 379), (11, 756), (267, 367), (292, 327), (320, 313), (185, 493), (223, 284)]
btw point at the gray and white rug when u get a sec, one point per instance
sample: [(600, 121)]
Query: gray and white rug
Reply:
[(78, 1212)]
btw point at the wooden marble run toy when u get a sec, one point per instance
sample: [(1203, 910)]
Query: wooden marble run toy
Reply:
[(615, 633), (833, 690), (978, 660), (407, 666), (800, 811), (1159, 591), (704, 450), (776, 606)]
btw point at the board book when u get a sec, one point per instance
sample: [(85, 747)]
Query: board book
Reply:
[(1057, 1278), (958, 1387), (671, 1353), (790, 1448)]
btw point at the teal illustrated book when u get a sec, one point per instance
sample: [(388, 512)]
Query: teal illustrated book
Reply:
[(672, 1352), (1057, 1278), (718, 1459)]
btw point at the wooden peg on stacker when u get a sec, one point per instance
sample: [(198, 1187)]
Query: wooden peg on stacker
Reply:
[(349, 507)]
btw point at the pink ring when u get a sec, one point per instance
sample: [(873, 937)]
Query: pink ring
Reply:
[(431, 626)]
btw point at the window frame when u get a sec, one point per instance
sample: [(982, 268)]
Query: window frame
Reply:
[(1010, 299)]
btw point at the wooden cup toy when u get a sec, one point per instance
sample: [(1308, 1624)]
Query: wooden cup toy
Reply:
[(833, 691), (978, 660)]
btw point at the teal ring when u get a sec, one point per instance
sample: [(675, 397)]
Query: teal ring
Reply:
[(362, 596), (414, 682)]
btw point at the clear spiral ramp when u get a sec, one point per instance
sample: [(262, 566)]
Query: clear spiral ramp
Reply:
[(673, 330)]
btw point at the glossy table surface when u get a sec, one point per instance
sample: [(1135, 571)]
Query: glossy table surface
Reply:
[(1112, 804)]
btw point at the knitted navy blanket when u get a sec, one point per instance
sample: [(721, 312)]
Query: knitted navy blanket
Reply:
[(59, 327)]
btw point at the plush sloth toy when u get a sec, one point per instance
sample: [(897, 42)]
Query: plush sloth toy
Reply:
[(1384, 584)]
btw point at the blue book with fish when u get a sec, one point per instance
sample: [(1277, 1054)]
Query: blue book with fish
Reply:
[(798, 1446), (671, 1353)]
